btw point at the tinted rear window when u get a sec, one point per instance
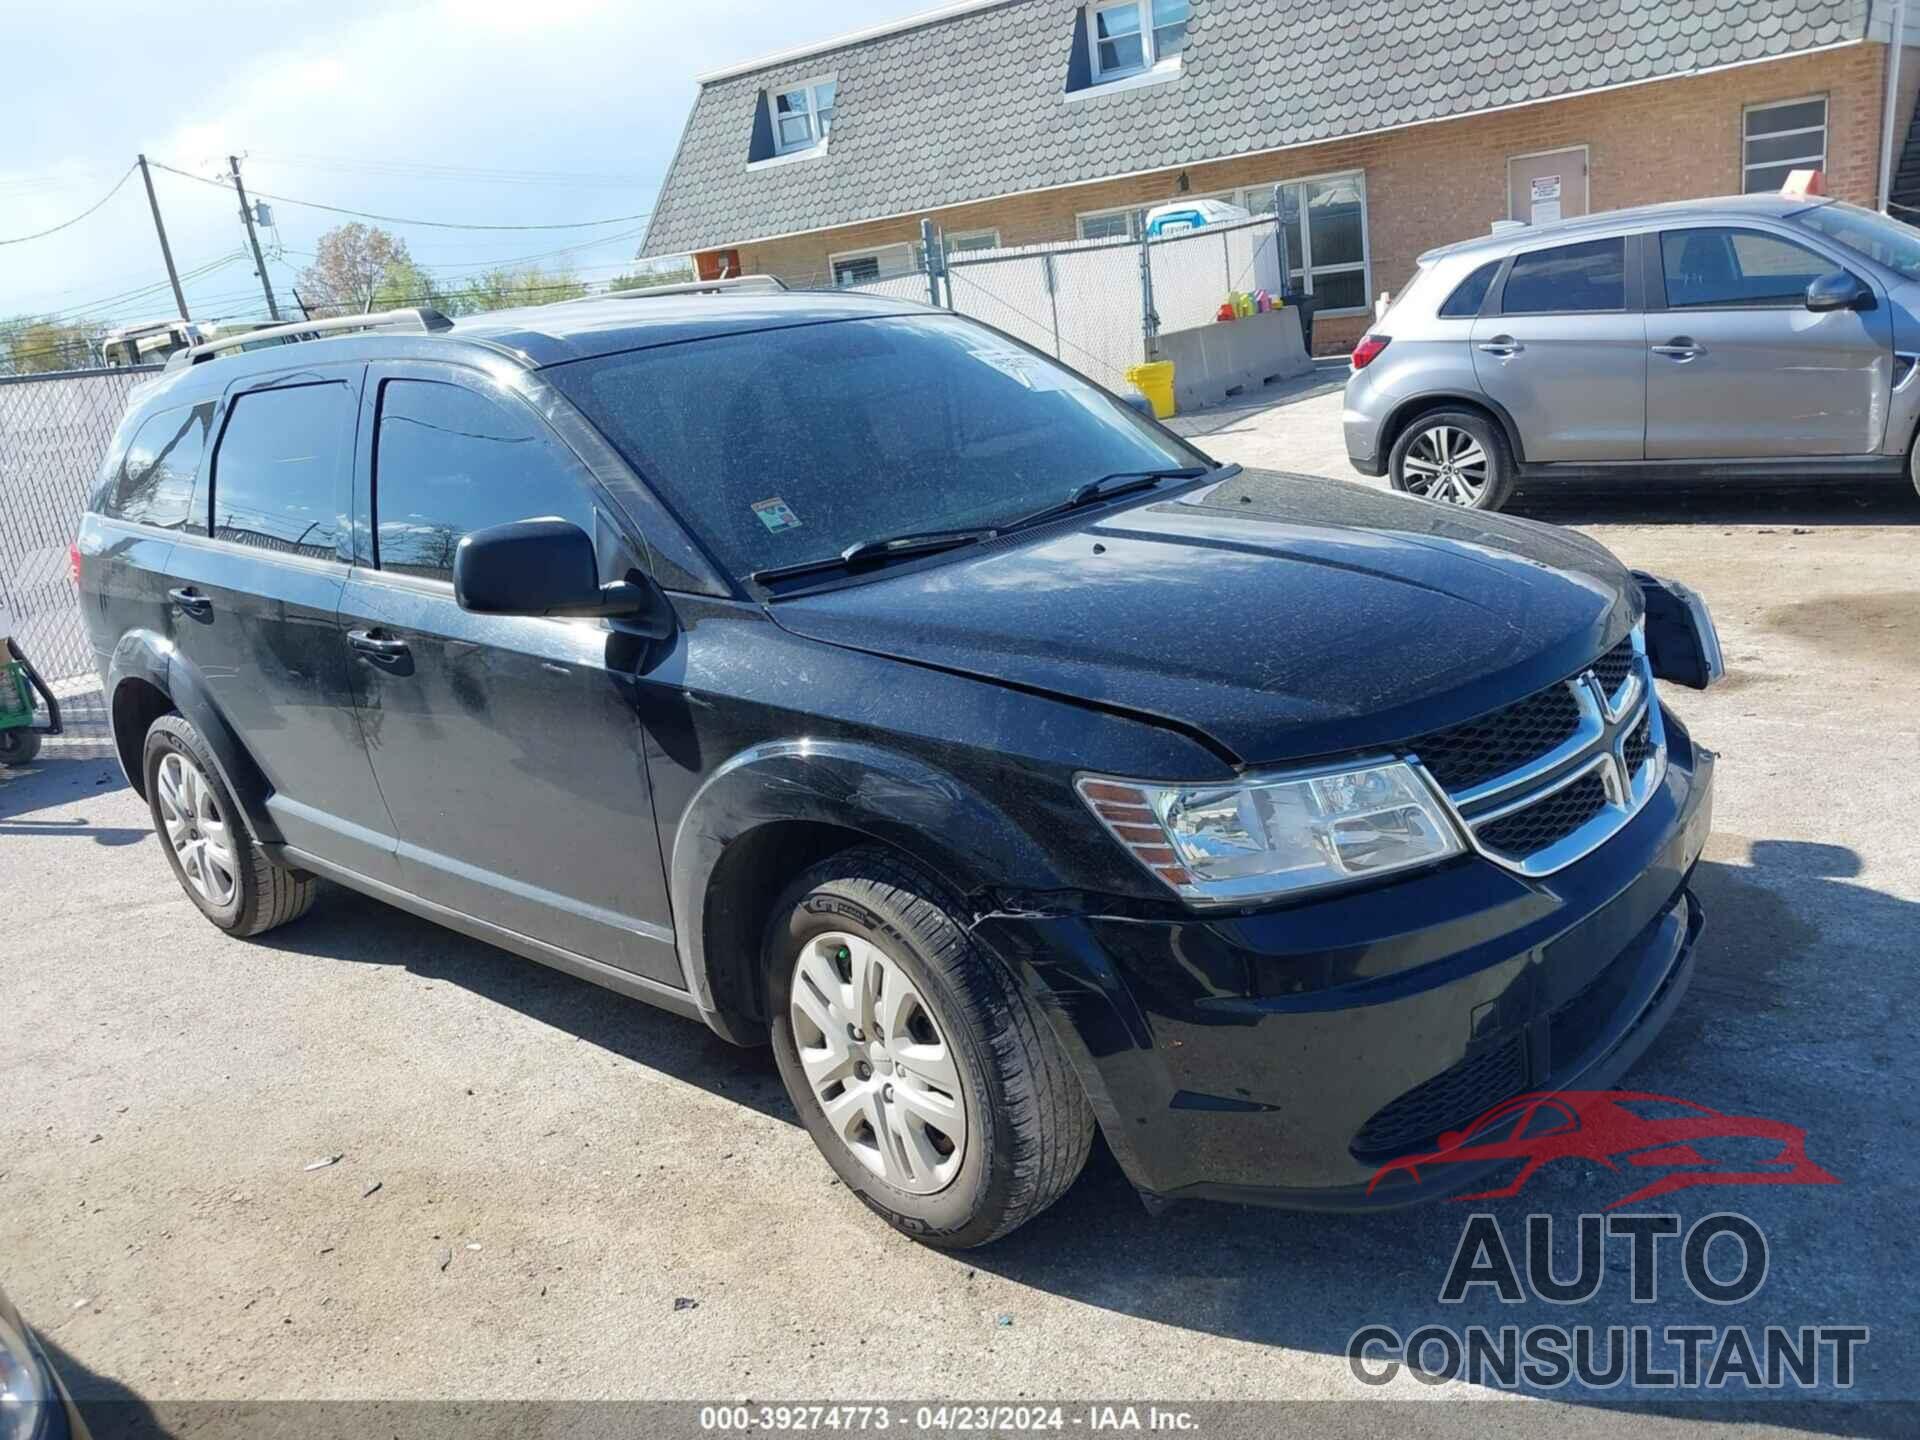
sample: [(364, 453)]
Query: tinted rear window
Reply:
[(1470, 293), (153, 484), (1588, 276), (277, 474), (787, 446)]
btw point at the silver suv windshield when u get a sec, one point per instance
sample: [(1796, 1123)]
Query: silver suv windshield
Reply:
[(1878, 237)]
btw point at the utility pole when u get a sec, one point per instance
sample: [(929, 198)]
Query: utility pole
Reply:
[(159, 229), (1899, 40), (246, 217)]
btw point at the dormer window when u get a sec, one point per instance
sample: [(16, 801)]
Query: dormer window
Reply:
[(802, 116), (1131, 37)]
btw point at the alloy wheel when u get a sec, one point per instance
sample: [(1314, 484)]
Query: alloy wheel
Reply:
[(1447, 464), (878, 1061), (197, 830)]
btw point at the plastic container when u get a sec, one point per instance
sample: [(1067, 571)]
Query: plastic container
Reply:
[(1155, 381), (16, 695)]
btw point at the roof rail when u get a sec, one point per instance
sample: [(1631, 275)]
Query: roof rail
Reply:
[(735, 284), (423, 318)]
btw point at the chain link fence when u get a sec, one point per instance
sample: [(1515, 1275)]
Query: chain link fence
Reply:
[(54, 432), (1098, 305)]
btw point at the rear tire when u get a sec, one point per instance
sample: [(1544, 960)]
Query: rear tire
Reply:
[(1453, 457), (18, 747), (863, 938), (216, 861)]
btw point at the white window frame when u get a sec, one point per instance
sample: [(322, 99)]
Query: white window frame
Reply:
[(878, 254), (1302, 264), (817, 140), (1133, 226), (1149, 51), (960, 241), (1810, 162)]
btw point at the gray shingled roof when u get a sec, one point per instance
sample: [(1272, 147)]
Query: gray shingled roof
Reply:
[(970, 106)]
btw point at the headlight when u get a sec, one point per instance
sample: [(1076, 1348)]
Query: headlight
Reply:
[(27, 1396), (1276, 835)]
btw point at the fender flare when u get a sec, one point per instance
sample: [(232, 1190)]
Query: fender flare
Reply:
[(149, 656), (893, 798), (1434, 399)]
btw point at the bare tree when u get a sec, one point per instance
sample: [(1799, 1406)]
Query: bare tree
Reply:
[(350, 262)]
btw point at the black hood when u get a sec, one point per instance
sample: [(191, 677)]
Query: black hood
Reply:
[(1279, 616)]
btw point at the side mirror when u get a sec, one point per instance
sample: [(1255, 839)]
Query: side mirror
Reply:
[(547, 567), (1838, 291)]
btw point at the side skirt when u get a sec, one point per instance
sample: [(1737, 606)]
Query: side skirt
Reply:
[(1857, 467), (623, 982)]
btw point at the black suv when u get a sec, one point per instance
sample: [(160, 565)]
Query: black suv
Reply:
[(842, 672)]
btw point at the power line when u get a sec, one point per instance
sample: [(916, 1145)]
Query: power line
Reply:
[(40, 234), (400, 219), (428, 170)]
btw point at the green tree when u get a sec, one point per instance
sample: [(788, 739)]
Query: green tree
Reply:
[(404, 285), (504, 289), (37, 344), (680, 274)]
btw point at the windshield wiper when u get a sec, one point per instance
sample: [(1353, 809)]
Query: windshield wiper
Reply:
[(928, 542), (1105, 488), (870, 552)]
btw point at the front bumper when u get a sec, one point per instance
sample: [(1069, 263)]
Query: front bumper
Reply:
[(1284, 1057)]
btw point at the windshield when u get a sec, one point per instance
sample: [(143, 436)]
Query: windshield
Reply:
[(1892, 243), (786, 446)]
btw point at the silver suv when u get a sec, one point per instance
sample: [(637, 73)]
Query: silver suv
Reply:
[(1756, 334)]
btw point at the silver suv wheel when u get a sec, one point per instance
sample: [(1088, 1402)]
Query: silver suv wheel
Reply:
[(1447, 464), (877, 1060)]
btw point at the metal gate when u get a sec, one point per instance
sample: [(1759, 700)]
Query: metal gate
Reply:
[(54, 432)]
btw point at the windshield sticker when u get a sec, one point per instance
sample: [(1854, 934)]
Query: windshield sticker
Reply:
[(776, 515), (1018, 366)]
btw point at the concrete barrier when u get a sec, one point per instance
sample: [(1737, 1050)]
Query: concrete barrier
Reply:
[(1234, 358)]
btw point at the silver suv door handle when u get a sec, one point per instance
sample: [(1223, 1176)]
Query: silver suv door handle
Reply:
[(1503, 346), (1679, 348)]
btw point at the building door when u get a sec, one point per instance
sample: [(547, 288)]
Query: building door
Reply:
[(1549, 186)]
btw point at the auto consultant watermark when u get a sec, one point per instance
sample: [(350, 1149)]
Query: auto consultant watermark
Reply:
[(1722, 1258)]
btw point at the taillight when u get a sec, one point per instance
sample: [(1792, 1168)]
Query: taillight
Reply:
[(1369, 347), (73, 563)]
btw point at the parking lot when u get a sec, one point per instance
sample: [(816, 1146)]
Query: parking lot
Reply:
[(544, 1191)]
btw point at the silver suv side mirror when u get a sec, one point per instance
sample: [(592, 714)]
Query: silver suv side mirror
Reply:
[(1838, 291)]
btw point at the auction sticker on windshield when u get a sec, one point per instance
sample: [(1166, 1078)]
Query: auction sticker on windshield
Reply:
[(776, 515)]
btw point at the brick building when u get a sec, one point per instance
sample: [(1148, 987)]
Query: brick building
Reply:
[(1392, 125)]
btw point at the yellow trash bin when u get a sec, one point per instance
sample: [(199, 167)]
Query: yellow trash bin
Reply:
[(1155, 381)]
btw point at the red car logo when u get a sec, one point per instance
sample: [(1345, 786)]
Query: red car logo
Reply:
[(1686, 1144)]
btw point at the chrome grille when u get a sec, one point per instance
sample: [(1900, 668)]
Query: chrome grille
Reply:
[(1613, 668), (1534, 827), (1464, 756), (1545, 780)]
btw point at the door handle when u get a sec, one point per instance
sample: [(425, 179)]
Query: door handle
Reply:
[(191, 602), (377, 647), (1679, 348), (1503, 346)]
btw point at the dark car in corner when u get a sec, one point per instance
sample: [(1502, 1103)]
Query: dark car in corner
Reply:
[(843, 674)]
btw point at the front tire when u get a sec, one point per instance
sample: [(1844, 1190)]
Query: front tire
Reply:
[(1453, 457), (926, 1075), (215, 860), (19, 746)]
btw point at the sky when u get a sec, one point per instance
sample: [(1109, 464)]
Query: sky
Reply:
[(506, 112)]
